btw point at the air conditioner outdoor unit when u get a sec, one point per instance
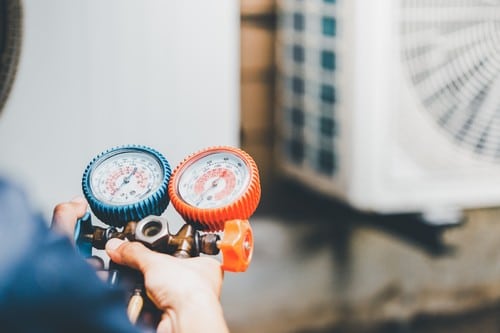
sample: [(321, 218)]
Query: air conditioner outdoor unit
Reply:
[(392, 106)]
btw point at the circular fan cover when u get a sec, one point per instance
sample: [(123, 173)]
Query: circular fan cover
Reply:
[(451, 49), (10, 45)]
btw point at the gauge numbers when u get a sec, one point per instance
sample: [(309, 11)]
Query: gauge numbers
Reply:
[(126, 177), (214, 180)]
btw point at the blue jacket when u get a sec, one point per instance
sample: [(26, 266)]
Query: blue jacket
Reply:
[(44, 284)]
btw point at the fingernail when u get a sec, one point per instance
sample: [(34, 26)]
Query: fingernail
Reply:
[(113, 244)]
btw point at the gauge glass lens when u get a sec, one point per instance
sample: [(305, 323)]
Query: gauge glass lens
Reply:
[(214, 180), (126, 178)]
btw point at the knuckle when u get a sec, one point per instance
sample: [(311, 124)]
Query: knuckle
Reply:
[(211, 263), (136, 255), (62, 209)]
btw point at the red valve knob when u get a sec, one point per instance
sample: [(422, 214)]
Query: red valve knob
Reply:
[(236, 245)]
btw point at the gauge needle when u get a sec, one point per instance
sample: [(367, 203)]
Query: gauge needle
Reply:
[(214, 185), (126, 180)]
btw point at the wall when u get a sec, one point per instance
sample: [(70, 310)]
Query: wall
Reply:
[(257, 47), (97, 74)]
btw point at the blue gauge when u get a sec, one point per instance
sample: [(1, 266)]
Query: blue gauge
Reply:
[(127, 183)]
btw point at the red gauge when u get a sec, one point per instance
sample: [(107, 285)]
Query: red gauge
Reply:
[(215, 185)]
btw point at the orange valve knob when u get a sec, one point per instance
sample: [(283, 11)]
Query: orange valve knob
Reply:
[(236, 246), (215, 185)]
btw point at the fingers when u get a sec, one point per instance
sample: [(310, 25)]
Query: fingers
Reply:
[(137, 256), (166, 324), (209, 266), (132, 254), (66, 214), (210, 269), (199, 272), (98, 265)]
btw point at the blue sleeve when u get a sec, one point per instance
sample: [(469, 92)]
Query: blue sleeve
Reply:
[(44, 285)]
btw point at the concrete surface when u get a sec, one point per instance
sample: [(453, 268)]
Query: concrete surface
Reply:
[(320, 267)]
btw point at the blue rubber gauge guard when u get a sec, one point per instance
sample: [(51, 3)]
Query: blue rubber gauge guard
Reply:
[(127, 183)]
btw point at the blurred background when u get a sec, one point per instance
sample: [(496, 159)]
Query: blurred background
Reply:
[(374, 125)]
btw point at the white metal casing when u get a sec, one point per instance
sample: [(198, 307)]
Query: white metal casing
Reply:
[(390, 153)]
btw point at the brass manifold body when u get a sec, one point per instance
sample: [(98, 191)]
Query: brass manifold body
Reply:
[(153, 232)]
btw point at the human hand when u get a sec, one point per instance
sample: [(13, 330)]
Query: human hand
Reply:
[(186, 290), (64, 220), (66, 214)]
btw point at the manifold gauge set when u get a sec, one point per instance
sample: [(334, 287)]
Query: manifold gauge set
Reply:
[(215, 191)]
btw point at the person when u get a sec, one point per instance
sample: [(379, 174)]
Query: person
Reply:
[(45, 286)]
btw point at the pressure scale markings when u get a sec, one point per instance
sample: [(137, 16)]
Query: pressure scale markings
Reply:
[(215, 185), (127, 183)]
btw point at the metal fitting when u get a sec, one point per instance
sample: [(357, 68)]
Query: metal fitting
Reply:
[(208, 244), (153, 232)]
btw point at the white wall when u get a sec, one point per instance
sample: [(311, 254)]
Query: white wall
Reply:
[(96, 74)]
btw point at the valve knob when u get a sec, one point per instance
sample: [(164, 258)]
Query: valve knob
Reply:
[(236, 245)]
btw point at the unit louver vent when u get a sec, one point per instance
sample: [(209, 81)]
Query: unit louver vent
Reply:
[(308, 34), (451, 49)]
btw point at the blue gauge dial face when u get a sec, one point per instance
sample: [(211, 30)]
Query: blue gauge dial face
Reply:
[(126, 178)]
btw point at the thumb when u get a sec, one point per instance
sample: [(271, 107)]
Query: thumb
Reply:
[(132, 254)]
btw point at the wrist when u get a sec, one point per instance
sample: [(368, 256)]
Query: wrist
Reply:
[(200, 312)]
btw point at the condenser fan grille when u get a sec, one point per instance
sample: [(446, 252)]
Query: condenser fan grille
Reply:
[(451, 49), (10, 45)]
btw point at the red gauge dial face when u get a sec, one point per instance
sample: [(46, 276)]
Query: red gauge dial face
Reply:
[(214, 180)]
